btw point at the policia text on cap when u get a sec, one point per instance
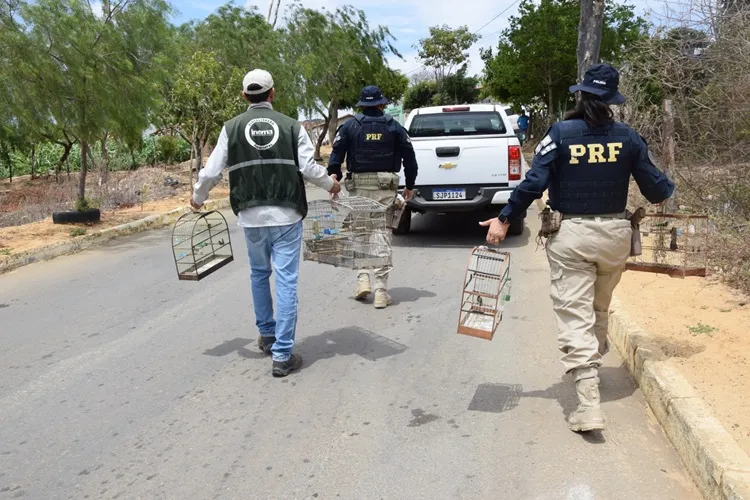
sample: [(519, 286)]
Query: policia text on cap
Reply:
[(586, 162)]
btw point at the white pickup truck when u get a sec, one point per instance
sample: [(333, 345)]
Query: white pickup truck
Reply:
[(469, 159)]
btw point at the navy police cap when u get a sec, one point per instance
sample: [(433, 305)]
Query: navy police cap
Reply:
[(371, 96), (601, 80)]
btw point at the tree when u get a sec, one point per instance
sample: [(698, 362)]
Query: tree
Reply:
[(86, 68), (420, 95), (204, 94), (446, 50), (535, 60), (457, 89), (354, 56)]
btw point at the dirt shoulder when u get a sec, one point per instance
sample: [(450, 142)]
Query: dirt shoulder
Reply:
[(703, 327), (125, 188)]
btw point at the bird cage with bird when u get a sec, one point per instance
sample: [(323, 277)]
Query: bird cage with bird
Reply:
[(350, 232), (486, 290), (676, 245), (201, 245)]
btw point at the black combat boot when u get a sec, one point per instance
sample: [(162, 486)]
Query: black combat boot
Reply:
[(284, 368)]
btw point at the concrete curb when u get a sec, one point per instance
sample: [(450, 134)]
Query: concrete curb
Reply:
[(91, 240), (717, 464)]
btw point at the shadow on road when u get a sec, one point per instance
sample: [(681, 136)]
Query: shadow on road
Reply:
[(615, 384), (238, 345), (454, 230), (347, 341)]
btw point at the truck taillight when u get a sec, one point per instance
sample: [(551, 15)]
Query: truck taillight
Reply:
[(514, 163)]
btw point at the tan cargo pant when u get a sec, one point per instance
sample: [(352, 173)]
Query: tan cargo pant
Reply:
[(371, 186), (586, 259)]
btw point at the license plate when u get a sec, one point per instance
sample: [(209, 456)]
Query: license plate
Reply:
[(448, 194)]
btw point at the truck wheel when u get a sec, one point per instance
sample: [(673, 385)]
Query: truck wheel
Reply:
[(404, 225), (516, 227)]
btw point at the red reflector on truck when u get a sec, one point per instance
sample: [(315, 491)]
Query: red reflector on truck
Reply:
[(514, 163), (455, 108)]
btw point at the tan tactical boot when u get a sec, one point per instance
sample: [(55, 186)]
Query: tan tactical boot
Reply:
[(382, 299), (588, 416), (364, 289)]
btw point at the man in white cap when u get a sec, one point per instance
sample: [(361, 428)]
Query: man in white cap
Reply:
[(268, 156)]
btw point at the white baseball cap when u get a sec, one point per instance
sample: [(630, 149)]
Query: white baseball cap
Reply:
[(257, 77)]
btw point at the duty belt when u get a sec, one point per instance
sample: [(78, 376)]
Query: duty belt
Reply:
[(619, 215), (369, 178)]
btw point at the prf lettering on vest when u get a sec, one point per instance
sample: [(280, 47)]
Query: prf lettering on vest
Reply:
[(594, 153), (373, 137)]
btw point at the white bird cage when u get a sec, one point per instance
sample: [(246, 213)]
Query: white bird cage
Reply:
[(201, 245), (350, 232), (486, 290)]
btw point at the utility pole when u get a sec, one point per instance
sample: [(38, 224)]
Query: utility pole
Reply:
[(589, 34)]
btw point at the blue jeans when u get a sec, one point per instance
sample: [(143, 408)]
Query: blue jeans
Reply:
[(280, 247)]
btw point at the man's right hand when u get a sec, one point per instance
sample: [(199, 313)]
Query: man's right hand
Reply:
[(408, 194), (336, 189)]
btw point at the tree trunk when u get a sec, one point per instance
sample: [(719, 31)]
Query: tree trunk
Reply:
[(669, 151), (33, 163), (84, 171), (589, 34), (333, 123), (105, 159), (551, 107), (321, 137), (63, 160)]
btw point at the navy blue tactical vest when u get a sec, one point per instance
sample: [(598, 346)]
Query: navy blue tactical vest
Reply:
[(593, 168), (373, 146)]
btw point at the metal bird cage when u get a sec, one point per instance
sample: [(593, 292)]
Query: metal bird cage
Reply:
[(486, 290), (348, 232), (676, 245), (201, 245)]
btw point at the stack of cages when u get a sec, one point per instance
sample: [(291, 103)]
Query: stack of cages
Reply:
[(676, 245), (201, 245), (351, 232), (486, 290)]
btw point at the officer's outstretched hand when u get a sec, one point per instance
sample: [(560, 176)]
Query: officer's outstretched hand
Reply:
[(336, 189), (497, 230)]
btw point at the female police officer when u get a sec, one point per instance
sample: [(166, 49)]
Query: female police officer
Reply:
[(586, 161)]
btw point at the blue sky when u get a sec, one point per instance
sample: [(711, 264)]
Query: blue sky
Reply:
[(408, 21)]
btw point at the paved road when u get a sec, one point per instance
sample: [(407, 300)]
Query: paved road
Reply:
[(118, 381)]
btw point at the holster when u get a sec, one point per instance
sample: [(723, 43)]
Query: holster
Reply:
[(635, 222), (551, 221)]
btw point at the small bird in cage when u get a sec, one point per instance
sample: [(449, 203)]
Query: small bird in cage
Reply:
[(486, 290)]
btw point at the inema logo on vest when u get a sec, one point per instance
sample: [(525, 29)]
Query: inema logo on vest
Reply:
[(253, 132)]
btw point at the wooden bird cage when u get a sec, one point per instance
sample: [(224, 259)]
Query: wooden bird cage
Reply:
[(352, 232), (201, 245), (676, 245), (486, 290)]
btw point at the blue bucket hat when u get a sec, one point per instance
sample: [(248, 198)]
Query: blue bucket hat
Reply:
[(371, 96), (601, 80)]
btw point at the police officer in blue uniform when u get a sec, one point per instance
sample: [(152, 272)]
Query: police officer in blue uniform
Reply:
[(374, 146), (586, 162)]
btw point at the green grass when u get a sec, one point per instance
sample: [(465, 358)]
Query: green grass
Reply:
[(701, 329), (78, 231), (4, 251)]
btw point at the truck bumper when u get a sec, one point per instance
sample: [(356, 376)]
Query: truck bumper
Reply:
[(480, 197)]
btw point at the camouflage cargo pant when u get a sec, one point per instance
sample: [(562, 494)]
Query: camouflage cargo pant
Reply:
[(383, 188)]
